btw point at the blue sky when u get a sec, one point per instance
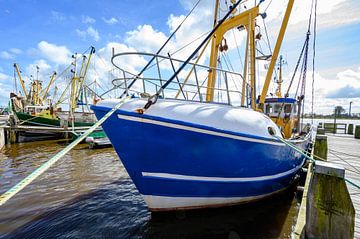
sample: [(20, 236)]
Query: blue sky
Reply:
[(46, 33)]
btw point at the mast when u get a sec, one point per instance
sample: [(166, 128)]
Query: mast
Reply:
[(279, 81), (275, 54), (48, 86), (21, 80)]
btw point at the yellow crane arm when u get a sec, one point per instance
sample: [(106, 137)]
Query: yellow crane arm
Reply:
[(92, 50), (52, 79), (21, 79)]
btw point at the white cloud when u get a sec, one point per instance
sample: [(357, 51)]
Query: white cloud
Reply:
[(93, 33), (110, 21), (87, 20), (4, 77), (90, 31), (58, 54), (6, 55), (145, 38), (15, 50), (44, 69), (58, 16)]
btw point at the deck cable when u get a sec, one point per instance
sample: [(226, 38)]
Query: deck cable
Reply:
[(40, 170), (311, 159)]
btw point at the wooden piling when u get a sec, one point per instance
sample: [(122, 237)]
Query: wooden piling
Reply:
[(330, 212), (14, 136), (350, 129), (357, 132), (321, 147), (320, 131)]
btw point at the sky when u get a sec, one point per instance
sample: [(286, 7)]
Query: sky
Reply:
[(46, 34)]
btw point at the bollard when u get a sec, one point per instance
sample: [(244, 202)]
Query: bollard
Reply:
[(320, 131), (357, 132), (329, 212), (350, 129), (321, 147)]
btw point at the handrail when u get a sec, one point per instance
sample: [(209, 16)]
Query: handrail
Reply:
[(157, 80)]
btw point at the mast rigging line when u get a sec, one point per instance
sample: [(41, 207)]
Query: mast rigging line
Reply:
[(313, 64), (161, 48), (180, 49), (150, 100)]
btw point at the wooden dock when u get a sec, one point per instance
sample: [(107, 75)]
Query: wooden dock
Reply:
[(345, 150)]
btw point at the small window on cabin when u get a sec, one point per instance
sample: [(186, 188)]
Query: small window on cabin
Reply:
[(295, 108), (269, 109), (277, 108), (287, 109)]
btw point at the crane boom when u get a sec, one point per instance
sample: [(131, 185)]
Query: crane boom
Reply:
[(21, 80), (52, 78)]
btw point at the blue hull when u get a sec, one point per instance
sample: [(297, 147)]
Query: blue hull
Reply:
[(192, 166)]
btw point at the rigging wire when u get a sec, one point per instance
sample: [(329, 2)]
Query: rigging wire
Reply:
[(238, 50), (313, 65), (267, 36), (154, 97), (231, 76), (180, 49), (268, 6), (161, 48)]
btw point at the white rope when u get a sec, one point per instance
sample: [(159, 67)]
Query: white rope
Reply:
[(26, 181)]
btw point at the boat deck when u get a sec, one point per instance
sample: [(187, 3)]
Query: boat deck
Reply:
[(345, 150)]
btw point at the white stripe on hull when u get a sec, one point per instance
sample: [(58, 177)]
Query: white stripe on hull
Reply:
[(162, 203), (198, 130), (218, 179)]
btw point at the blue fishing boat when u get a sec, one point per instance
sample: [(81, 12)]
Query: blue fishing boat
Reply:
[(197, 153)]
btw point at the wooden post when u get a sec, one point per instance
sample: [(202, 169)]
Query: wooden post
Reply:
[(14, 136), (321, 147), (334, 122), (350, 129), (320, 131), (357, 132), (330, 212)]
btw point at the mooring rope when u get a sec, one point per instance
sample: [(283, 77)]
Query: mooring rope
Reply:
[(305, 154), (26, 181)]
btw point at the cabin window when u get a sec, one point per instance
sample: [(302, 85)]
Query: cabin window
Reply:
[(269, 109), (295, 109), (277, 108), (287, 109)]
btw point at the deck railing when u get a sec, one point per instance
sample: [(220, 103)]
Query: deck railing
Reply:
[(190, 84)]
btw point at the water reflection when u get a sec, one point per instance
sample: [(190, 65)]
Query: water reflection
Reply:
[(89, 195), (119, 212)]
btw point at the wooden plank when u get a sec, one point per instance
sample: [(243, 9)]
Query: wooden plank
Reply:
[(348, 149)]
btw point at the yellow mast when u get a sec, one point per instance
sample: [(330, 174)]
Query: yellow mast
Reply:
[(251, 33), (213, 60), (245, 70), (275, 54), (21, 80), (48, 86), (83, 74)]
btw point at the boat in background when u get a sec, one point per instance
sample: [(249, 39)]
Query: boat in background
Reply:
[(197, 152), (37, 108)]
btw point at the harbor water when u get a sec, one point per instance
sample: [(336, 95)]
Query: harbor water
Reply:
[(88, 194)]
